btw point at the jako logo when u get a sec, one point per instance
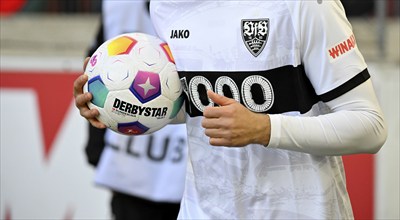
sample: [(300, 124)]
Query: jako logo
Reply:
[(342, 48), (179, 34)]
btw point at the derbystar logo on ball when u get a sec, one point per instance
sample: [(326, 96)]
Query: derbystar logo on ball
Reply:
[(127, 108)]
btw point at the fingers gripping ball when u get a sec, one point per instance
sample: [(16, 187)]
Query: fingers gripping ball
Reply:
[(134, 83)]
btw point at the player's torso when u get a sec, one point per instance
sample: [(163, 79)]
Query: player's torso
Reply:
[(240, 47)]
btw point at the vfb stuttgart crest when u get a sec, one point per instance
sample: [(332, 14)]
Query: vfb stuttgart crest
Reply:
[(255, 34)]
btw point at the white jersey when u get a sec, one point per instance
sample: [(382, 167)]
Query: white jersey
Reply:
[(297, 55), (148, 166)]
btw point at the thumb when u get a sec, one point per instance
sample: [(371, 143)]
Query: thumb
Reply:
[(219, 99)]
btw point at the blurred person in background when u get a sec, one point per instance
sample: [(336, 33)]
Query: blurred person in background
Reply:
[(145, 173)]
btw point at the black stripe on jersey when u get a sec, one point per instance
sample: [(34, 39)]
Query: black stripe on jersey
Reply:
[(347, 86), (291, 89)]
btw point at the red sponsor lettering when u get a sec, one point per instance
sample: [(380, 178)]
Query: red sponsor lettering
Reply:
[(343, 47)]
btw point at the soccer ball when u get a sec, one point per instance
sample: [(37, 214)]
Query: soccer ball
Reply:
[(134, 83)]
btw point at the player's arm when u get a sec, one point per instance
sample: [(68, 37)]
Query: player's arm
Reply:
[(81, 100), (356, 125)]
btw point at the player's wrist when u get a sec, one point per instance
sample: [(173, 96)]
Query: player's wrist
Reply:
[(263, 129)]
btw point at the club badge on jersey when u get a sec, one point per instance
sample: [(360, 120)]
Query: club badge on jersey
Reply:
[(255, 34)]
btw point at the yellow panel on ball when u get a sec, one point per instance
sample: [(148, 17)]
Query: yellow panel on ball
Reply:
[(121, 45)]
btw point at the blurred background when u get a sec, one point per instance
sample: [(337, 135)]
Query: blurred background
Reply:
[(44, 173)]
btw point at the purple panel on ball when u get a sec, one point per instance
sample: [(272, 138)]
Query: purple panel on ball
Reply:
[(146, 86), (132, 128)]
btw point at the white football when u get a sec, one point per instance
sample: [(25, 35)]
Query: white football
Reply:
[(134, 83)]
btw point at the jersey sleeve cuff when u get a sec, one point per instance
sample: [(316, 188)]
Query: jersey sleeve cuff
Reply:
[(275, 120)]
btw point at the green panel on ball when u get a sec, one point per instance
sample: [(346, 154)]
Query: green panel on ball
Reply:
[(177, 106), (99, 91)]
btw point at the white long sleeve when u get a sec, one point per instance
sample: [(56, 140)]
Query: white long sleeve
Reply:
[(356, 125)]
